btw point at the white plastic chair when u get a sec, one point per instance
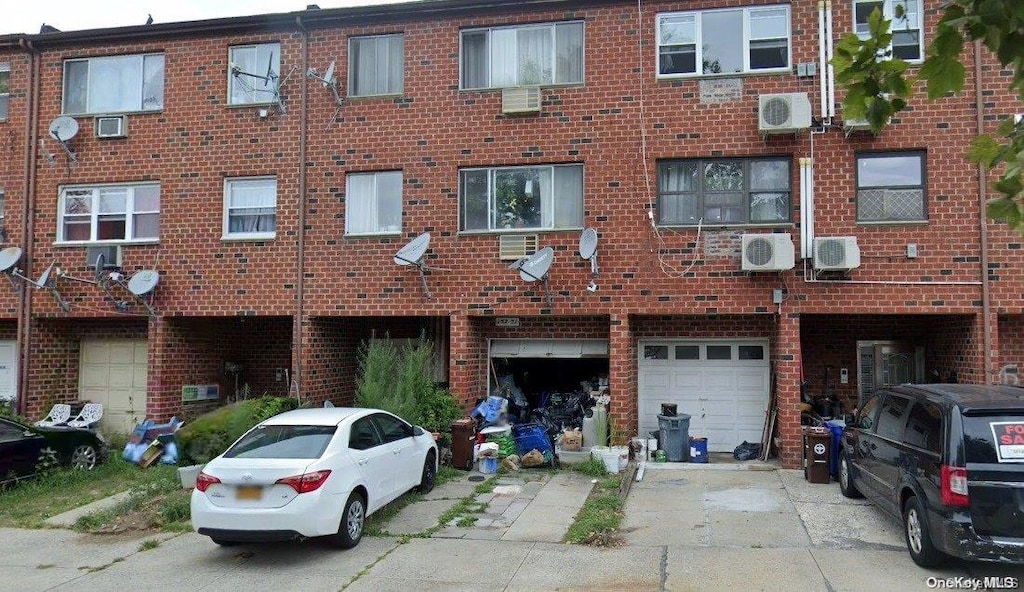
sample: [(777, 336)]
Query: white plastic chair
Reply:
[(59, 415), (89, 416)]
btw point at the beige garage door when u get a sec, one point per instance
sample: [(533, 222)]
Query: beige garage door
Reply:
[(113, 372)]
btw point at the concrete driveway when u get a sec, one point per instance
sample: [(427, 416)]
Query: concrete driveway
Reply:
[(687, 527)]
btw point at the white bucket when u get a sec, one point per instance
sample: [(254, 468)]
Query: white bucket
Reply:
[(188, 475), (622, 452)]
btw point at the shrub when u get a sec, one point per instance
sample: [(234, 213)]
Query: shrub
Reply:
[(377, 384), (210, 434), (437, 409)]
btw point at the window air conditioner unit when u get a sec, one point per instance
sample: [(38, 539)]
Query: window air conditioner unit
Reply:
[(111, 126), (786, 113), (837, 253), (857, 125), (111, 256), (520, 100), (516, 246), (768, 252)]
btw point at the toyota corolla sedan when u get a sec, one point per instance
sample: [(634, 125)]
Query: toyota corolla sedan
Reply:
[(311, 473)]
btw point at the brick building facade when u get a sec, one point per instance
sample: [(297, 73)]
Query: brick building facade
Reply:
[(670, 167)]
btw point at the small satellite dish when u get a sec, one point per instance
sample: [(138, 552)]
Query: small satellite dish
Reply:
[(143, 282), (412, 253), (329, 76), (97, 269), (63, 128), (515, 265), (588, 243), (9, 257), (45, 278), (537, 265)]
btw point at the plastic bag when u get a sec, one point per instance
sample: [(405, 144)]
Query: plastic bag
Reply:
[(533, 458), (747, 451)]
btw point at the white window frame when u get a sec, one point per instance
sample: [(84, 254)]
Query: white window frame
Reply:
[(94, 215), (699, 35), (90, 109), (5, 68), (3, 203), (227, 234), (374, 203), (253, 82), (889, 13), (491, 173), (554, 53), (352, 68)]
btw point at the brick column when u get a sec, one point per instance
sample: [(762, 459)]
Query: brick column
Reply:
[(462, 360), (167, 363), (622, 375), (786, 356)]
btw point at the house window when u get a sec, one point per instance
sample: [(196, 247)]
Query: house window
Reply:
[(3, 203), (262, 62), (109, 213), (376, 65), (890, 187), (250, 208), (5, 91), (526, 55), (724, 191), (723, 41), (526, 197), (907, 40), (373, 203), (114, 84)]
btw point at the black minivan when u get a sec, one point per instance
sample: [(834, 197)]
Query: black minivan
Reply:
[(948, 460)]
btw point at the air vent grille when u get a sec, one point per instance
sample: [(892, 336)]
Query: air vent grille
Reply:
[(514, 246)]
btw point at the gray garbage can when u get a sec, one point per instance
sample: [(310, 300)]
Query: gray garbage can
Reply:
[(674, 437)]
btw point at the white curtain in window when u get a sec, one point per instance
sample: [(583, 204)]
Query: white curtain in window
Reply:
[(568, 196), (504, 65), (569, 53), (360, 204), (115, 84), (535, 60), (389, 202), (475, 58), (253, 205), (153, 82)]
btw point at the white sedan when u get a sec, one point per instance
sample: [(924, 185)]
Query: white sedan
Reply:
[(311, 473)]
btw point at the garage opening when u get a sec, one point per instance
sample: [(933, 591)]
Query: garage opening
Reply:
[(548, 379)]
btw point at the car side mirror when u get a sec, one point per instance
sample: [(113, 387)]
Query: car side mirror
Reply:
[(418, 431)]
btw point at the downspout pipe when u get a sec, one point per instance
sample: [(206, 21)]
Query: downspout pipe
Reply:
[(823, 69), (828, 61), (300, 255), (27, 222), (986, 305)]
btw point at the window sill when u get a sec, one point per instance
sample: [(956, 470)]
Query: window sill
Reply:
[(542, 86), (754, 73), (371, 235), (892, 222), (254, 238), (107, 243), (501, 231), (740, 226), (251, 105), (115, 113), (390, 96)]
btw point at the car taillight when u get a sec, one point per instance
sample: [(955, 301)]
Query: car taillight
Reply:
[(954, 486), (306, 482), (203, 481)]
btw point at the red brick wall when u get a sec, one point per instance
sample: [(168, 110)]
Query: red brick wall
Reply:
[(12, 168)]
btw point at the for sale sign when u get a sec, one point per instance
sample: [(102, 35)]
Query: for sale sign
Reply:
[(1009, 437)]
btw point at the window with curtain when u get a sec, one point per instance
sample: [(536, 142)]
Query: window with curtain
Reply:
[(376, 65), (525, 197), (907, 38), (114, 84), (373, 203), (724, 191), (890, 187), (523, 55), (109, 213), (250, 208), (5, 91), (728, 41), (263, 60)]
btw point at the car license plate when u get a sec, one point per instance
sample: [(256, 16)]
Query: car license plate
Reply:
[(249, 492)]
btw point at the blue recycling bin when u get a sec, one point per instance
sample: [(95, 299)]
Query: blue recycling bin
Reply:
[(835, 426)]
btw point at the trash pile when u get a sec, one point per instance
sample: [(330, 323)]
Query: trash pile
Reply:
[(150, 441)]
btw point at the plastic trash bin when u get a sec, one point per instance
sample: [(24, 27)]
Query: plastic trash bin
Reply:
[(463, 437), (699, 450), (674, 437), (836, 427), (817, 445)]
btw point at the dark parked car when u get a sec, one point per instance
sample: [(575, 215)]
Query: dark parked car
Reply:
[(948, 460), (23, 448)]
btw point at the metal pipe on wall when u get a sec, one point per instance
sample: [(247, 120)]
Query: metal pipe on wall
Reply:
[(24, 329), (831, 110), (300, 264), (822, 78), (986, 306)]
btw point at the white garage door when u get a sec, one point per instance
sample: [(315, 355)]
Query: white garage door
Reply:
[(8, 369), (113, 372), (722, 385)]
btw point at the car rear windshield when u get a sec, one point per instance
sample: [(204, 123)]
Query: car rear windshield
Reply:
[(994, 438), (283, 441)]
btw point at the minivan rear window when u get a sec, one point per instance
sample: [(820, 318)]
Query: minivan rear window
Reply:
[(283, 441), (994, 438)]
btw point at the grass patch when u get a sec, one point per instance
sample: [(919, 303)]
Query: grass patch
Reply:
[(156, 504), (486, 487), (598, 521), (377, 522), (446, 474), (27, 504), (592, 467), (150, 544)]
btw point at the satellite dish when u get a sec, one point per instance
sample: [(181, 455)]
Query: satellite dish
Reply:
[(45, 278), (537, 265), (97, 269), (63, 128), (515, 265), (9, 257), (588, 243), (412, 253), (143, 282), (329, 76)]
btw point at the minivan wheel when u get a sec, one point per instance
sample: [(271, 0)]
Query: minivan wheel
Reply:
[(919, 541), (846, 486), (353, 518)]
